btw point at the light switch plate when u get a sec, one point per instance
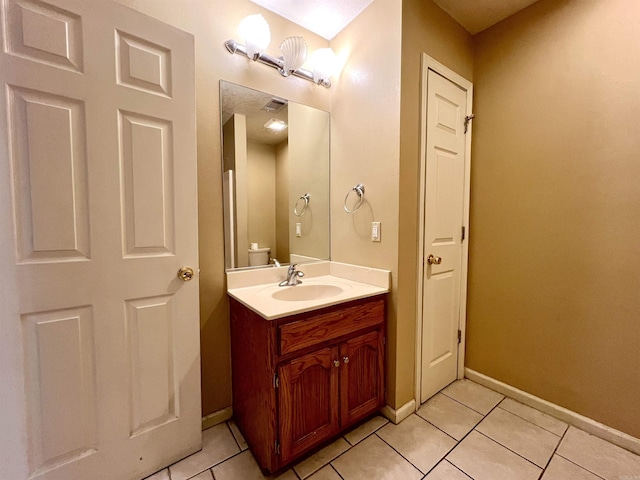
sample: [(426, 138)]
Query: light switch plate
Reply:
[(298, 229), (375, 231)]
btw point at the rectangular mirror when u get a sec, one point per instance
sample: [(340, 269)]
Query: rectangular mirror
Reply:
[(275, 180)]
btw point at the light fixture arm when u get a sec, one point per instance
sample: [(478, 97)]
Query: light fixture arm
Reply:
[(274, 62)]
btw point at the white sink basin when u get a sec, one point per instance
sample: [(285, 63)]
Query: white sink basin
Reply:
[(301, 293)]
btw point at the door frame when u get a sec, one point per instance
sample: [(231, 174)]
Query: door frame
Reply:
[(429, 63)]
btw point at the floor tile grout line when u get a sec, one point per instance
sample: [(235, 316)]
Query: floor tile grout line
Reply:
[(324, 465), (350, 447), (466, 435), (527, 420), (439, 429), (470, 408), (442, 458), (512, 451), (580, 466), (530, 422), (232, 435), (336, 470), (409, 461), (295, 473), (459, 469), (368, 435), (552, 455), (473, 428)]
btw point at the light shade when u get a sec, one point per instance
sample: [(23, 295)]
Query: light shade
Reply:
[(324, 64), (294, 53), (255, 31), (275, 125)]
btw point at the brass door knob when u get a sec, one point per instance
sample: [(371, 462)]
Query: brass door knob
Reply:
[(345, 359), (433, 260), (185, 273), (336, 363)]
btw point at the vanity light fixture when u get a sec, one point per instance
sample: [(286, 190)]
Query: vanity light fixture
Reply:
[(275, 125), (255, 31)]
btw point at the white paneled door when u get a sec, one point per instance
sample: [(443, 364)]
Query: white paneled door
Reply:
[(99, 337), (444, 218)]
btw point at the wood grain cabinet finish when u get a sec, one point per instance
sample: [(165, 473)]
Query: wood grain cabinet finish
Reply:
[(301, 380)]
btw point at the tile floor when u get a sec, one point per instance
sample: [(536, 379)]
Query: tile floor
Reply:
[(464, 432)]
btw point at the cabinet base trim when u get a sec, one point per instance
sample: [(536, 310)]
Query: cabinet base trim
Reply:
[(596, 429), (217, 417), (396, 416)]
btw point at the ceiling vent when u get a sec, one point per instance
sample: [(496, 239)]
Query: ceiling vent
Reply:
[(274, 105)]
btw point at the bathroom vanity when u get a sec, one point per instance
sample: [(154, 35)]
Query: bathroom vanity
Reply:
[(303, 378)]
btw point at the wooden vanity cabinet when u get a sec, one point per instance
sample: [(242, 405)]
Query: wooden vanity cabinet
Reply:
[(301, 380)]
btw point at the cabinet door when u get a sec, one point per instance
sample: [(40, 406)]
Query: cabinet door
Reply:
[(308, 401), (361, 376)]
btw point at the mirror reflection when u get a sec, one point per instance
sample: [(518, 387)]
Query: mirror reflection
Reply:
[(275, 179)]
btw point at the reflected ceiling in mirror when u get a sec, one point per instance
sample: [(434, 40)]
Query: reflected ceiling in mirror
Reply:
[(276, 182)]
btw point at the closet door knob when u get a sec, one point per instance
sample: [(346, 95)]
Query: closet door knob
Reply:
[(345, 359), (433, 260), (185, 273), (336, 363)]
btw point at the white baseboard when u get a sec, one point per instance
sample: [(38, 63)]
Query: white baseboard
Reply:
[(396, 416), (572, 418), (217, 417)]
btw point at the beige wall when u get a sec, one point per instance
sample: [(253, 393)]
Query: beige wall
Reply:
[(261, 194), (365, 147), (212, 22), (425, 28), (554, 282), (309, 147), (282, 202)]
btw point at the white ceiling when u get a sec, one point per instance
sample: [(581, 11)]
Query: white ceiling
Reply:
[(323, 17), (249, 102), (328, 17), (478, 15)]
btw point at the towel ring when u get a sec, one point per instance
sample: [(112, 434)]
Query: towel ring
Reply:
[(359, 189), (304, 197)]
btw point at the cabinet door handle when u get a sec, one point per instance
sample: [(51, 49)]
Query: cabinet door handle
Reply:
[(345, 359), (336, 363)]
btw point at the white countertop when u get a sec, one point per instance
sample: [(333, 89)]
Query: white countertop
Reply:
[(255, 288)]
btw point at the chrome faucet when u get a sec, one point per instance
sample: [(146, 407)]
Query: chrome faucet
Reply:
[(275, 261), (292, 277)]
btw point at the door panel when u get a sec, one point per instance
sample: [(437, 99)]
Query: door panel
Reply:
[(444, 210), (49, 165), (361, 376), (60, 359), (146, 157), (143, 65), (150, 327), (101, 337), (308, 401)]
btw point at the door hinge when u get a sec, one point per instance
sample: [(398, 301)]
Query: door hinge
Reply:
[(464, 232), (467, 119), (276, 380), (459, 336), (277, 447), (384, 340)]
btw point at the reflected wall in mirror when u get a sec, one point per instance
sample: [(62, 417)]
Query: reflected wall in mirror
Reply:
[(275, 182)]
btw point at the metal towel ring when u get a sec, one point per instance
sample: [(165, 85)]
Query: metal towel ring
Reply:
[(359, 189), (304, 197)]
